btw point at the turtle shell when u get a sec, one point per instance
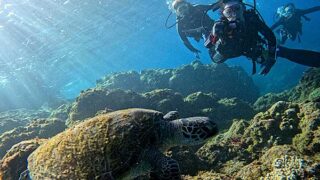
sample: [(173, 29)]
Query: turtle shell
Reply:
[(106, 144)]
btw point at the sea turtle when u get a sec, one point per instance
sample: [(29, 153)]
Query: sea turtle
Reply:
[(118, 145)]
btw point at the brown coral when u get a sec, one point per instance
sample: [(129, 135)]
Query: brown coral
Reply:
[(15, 161)]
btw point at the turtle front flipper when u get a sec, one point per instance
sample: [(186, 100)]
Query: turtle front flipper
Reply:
[(25, 175), (105, 176), (163, 167), (166, 169)]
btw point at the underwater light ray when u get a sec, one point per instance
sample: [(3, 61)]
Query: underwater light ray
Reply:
[(72, 34)]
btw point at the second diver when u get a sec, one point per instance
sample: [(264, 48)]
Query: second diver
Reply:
[(289, 24), (193, 22), (242, 32)]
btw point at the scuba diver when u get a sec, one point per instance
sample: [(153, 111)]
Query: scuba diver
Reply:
[(289, 20), (193, 21), (242, 32)]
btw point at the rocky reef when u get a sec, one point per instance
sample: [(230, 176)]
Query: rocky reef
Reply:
[(62, 112), (40, 128), (279, 142), (280, 162), (95, 101), (15, 160), (287, 132), (308, 89), (193, 89), (20, 117), (276, 138), (186, 80)]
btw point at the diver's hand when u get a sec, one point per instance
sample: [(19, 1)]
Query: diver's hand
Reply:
[(267, 66), (196, 53)]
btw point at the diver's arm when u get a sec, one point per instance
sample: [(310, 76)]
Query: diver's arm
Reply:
[(276, 24), (307, 11), (213, 7), (272, 44), (185, 40), (267, 33), (216, 6)]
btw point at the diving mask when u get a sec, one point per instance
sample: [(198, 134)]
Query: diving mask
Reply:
[(286, 11), (182, 9), (233, 11)]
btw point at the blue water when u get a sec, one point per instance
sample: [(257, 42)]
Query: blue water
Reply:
[(63, 46)]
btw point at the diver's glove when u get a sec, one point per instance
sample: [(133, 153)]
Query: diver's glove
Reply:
[(270, 60), (267, 66), (196, 53)]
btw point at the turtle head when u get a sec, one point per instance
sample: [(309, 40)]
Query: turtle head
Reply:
[(191, 131), (197, 130)]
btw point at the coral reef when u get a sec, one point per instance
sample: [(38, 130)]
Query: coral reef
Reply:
[(308, 85), (279, 162), (186, 80), (249, 148), (62, 112), (41, 128), (282, 141), (267, 100), (15, 160), (308, 142), (164, 100), (307, 90), (194, 89), (20, 117), (205, 175), (94, 101), (291, 167)]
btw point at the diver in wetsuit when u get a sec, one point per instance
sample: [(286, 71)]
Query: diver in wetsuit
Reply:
[(289, 21), (193, 22), (242, 32)]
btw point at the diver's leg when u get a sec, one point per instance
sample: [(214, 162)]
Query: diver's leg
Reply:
[(304, 57)]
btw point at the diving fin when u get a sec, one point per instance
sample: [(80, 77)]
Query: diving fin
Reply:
[(300, 56)]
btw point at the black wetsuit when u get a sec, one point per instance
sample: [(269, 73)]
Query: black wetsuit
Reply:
[(292, 27), (255, 40), (234, 39), (195, 24)]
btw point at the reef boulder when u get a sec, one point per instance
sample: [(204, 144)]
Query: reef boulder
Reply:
[(41, 128), (19, 117), (223, 111), (15, 160), (308, 89), (93, 100), (248, 146), (280, 162), (224, 81)]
